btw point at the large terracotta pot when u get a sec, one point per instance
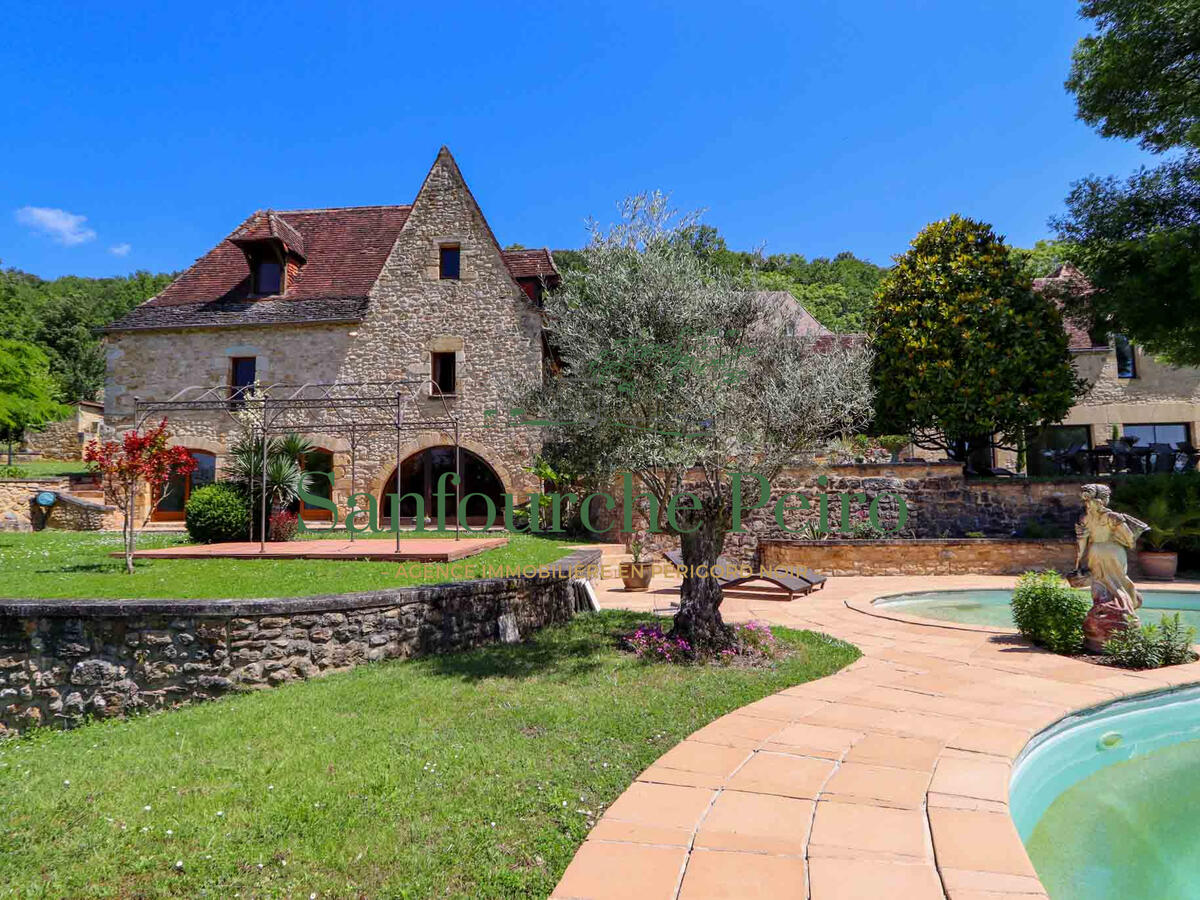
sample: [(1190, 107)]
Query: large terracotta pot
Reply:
[(636, 576), (1158, 566)]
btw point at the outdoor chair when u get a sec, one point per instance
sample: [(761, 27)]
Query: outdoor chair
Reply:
[(794, 579), (1164, 457)]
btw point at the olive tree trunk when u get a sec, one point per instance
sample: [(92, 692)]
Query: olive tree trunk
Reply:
[(699, 619)]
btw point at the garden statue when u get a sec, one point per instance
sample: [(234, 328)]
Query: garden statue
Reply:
[(1104, 536)]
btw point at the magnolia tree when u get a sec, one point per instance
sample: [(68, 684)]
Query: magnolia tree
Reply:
[(671, 370), (142, 458)]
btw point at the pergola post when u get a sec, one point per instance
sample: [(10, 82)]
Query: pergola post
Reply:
[(353, 476), (262, 527)]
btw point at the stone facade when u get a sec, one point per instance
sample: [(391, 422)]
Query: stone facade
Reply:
[(484, 317), (933, 556), (15, 496), (940, 503), (66, 438), (62, 661)]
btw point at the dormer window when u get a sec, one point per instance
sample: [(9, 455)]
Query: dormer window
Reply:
[(268, 277)]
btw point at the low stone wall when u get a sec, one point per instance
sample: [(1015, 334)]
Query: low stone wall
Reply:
[(15, 494), (930, 556), (62, 661)]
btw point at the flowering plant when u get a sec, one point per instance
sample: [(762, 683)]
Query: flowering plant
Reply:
[(649, 643), (637, 545), (142, 457)]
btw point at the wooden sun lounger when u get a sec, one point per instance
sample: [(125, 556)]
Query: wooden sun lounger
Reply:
[(794, 579)]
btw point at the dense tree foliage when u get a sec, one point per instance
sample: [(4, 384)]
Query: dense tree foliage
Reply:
[(28, 394), (1138, 76), (60, 317), (1138, 240), (836, 291), (672, 373), (967, 355)]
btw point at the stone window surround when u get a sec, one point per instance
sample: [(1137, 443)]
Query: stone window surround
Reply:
[(445, 343), (433, 269)]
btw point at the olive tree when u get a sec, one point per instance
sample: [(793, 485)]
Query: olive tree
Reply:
[(669, 369)]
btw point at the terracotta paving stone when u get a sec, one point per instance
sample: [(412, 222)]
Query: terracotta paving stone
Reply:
[(1001, 740), (718, 875), (783, 775), (876, 829), (867, 879), (984, 777), (880, 785), (900, 752), (813, 740), (602, 871), (756, 822), (657, 774), (979, 841), (890, 777), (661, 805), (707, 759), (632, 833)]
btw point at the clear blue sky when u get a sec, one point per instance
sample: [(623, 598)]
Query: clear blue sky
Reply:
[(808, 127)]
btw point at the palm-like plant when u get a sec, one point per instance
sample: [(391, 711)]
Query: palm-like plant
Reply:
[(285, 474), (1168, 525)]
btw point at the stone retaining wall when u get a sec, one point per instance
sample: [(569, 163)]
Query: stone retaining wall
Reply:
[(933, 556), (62, 661), (15, 494)]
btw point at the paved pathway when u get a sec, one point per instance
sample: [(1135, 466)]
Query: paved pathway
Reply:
[(888, 779)]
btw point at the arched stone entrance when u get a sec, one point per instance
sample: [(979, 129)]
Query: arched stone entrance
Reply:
[(419, 475)]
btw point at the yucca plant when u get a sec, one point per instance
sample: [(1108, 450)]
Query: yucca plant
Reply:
[(285, 476)]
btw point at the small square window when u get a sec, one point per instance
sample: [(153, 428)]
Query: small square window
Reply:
[(448, 262), (443, 373)]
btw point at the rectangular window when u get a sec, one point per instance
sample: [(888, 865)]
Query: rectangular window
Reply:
[(1126, 357), (268, 277), (442, 374), (1148, 435), (448, 261), (242, 373), (1058, 449)]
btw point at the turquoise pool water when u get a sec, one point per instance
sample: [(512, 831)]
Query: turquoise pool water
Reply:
[(979, 607), (1108, 801)]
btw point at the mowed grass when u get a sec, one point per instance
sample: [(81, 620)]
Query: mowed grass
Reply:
[(62, 564), (46, 468), (475, 774)]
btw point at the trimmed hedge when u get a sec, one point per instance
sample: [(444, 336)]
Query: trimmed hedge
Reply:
[(217, 513)]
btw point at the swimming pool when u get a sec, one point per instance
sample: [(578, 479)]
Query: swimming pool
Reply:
[(991, 607), (1106, 800)]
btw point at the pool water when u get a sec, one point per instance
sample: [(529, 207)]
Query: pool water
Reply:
[(980, 607), (1107, 801)]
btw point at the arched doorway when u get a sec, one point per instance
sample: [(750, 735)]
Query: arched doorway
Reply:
[(317, 460), (419, 474), (171, 508)]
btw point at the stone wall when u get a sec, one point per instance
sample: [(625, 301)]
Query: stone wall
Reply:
[(66, 438), (930, 556), (15, 494), (62, 661), (940, 503)]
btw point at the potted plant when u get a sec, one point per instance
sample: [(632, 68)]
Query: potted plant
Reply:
[(636, 573), (1159, 558), (893, 443)]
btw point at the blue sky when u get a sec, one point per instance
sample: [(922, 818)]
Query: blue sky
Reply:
[(808, 127)]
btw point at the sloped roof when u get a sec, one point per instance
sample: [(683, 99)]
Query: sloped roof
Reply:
[(343, 249), (1068, 280), (784, 309), (532, 264)]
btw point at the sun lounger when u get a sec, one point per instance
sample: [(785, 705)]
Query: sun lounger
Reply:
[(795, 579)]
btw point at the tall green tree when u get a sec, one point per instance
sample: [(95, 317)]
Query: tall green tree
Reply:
[(28, 395), (967, 355), (1138, 240)]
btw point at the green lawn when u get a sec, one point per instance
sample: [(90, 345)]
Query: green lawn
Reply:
[(43, 468), (49, 564), (475, 774)]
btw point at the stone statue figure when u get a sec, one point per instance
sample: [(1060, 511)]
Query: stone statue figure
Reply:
[(1103, 537)]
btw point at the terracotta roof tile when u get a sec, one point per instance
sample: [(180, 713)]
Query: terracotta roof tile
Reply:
[(532, 264), (1068, 280)]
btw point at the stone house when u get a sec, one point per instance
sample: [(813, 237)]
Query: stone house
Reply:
[(355, 294), (1129, 393)]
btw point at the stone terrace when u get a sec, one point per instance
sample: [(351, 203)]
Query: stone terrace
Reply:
[(887, 779)]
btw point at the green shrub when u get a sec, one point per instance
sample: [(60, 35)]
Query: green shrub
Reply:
[(1049, 613), (216, 513), (1169, 643), (13, 472), (1036, 529)]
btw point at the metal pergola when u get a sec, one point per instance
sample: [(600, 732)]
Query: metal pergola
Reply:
[(348, 409)]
